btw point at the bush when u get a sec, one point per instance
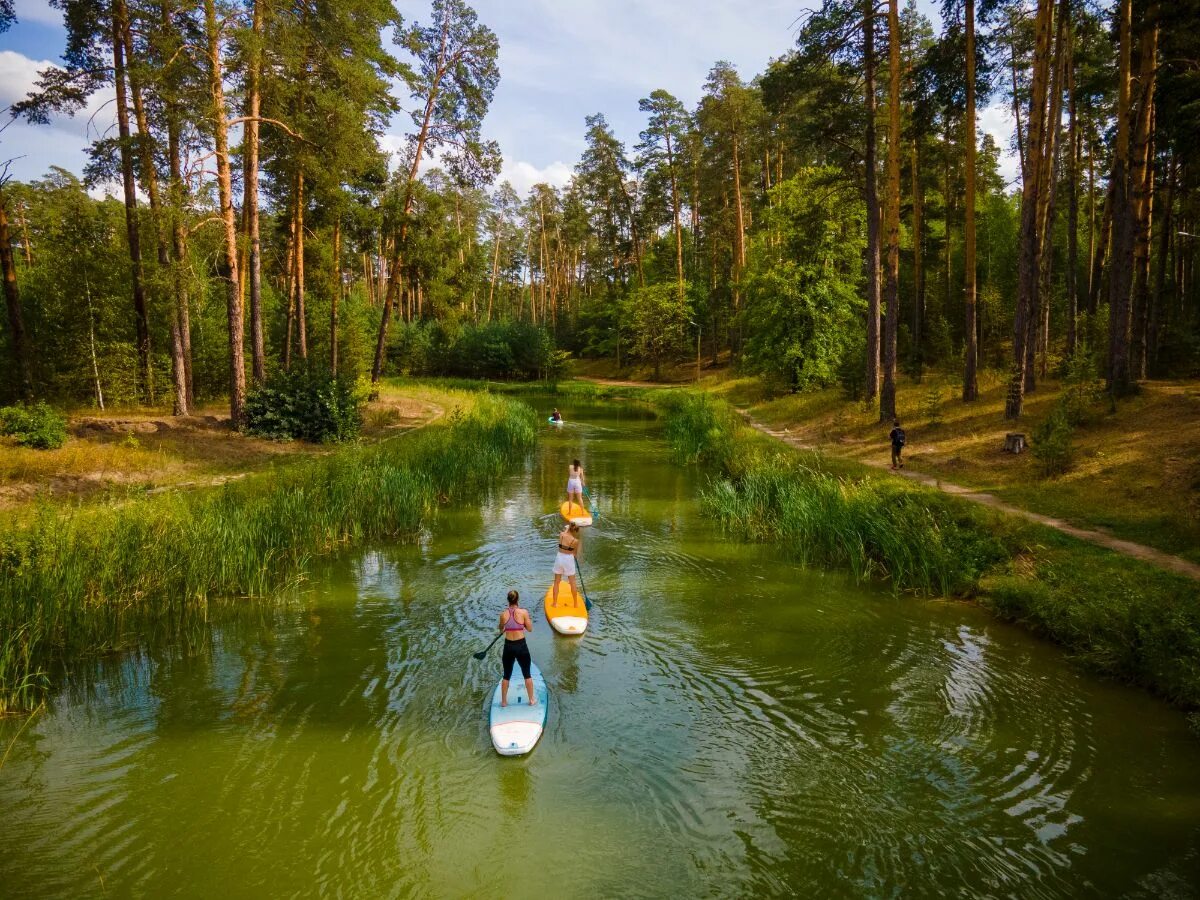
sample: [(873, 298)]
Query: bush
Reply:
[(931, 406), (38, 426), (1052, 446), (306, 405), (1082, 387)]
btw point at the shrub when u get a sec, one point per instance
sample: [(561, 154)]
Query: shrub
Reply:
[(306, 405), (1052, 446), (931, 406), (38, 426), (499, 350), (1083, 389)]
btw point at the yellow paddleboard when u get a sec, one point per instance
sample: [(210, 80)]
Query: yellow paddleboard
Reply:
[(570, 615), (573, 512)]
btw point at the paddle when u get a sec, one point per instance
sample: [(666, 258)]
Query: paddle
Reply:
[(482, 653), (591, 500), (587, 603)]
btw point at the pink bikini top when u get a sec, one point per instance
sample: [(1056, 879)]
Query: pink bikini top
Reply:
[(512, 624)]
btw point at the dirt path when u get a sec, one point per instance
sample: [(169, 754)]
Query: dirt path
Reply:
[(1117, 545)]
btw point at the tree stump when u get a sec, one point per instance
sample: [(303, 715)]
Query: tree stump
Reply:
[(1014, 443)]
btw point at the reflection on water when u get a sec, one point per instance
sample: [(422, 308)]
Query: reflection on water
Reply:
[(729, 725)]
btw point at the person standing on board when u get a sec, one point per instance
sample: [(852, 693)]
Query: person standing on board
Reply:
[(514, 622), (575, 484), (564, 561), (556, 416), (898, 440)]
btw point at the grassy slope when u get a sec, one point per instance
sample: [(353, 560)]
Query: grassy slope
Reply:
[(131, 451), (1136, 475)]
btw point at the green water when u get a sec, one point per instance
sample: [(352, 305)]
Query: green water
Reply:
[(730, 725)]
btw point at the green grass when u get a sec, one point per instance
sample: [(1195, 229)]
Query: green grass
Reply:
[(1120, 617), (87, 580)]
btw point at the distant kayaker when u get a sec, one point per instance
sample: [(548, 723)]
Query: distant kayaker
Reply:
[(575, 483), (898, 440), (514, 622), (564, 561), (556, 416)]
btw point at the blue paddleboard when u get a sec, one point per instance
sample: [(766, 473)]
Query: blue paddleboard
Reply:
[(517, 727)]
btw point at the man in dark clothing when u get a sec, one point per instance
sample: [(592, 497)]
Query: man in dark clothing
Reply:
[(898, 439)]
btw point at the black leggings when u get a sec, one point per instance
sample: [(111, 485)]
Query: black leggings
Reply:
[(516, 652)]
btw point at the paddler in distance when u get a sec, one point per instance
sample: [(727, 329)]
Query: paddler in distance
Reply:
[(556, 416), (564, 561), (514, 622), (575, 483)]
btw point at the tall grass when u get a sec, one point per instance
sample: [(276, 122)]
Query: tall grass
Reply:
[(83, 581)]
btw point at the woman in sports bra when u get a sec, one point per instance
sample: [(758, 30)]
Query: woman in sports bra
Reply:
[(514, 622), (564, 561), (575, 484)]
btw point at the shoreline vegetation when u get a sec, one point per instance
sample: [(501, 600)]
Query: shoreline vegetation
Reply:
[(1120, 617), (77, 581)]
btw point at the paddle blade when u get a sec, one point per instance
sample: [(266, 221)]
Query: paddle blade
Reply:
[(480, 655)]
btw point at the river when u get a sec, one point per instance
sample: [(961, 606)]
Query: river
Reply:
[(730, 725)]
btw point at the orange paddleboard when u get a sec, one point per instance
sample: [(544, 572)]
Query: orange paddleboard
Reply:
[(573, 512), (570, 615)]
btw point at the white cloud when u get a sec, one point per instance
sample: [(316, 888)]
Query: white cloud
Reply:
[(38, 11), (18, 75), (997, 120), (524, 175)]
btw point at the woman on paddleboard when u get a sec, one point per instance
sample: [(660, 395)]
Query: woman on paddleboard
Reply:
[(564, 561), (575, 484), (556, 416), (514, 622)]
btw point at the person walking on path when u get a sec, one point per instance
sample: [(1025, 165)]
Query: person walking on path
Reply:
[(575, 484), (898, 440), (514, 622), (564, 561)]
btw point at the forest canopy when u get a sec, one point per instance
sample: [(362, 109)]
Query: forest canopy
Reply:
[(838, 217)]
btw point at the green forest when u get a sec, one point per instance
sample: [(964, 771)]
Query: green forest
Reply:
[(837, 218)]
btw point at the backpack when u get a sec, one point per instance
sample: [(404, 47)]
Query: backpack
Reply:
[(900, 438)]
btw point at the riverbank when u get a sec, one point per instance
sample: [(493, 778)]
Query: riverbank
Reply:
[(79, 580), (1135, 472), (123, 453), (1123, 618)]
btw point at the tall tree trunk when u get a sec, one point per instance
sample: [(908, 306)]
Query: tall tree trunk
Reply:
[(1141, 178), (1027, 269), (495, 271), (676, 218), (335, 297), (289, 326), (179, 246), (120, 18), (871, 195), (396, 274), (887, 395), (970, 328), (227, 263), (1047, 157), (87, 288), (180, 404), (739, 265), (12, 300), (301, 312), (26, 244), (918, 242), (1073, 154), (1103, 249), (1121, 270), (1159, 307), (258, 355)]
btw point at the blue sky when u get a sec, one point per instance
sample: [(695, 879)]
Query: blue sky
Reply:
[(560, 60)]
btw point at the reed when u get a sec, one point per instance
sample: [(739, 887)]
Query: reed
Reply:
[(85, 580)]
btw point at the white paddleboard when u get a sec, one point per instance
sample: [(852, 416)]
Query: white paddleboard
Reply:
[(516, 728)]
